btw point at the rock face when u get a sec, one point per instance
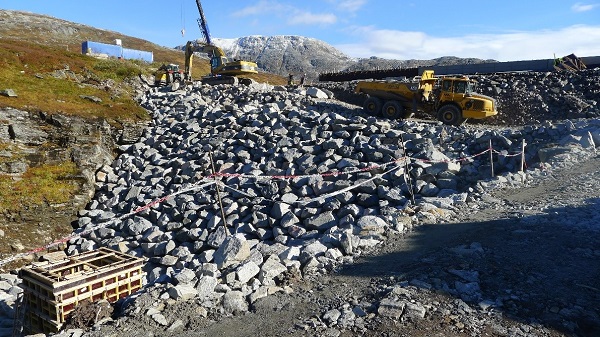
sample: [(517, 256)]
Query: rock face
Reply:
[(61, 138), (35, 139), (305, 184)]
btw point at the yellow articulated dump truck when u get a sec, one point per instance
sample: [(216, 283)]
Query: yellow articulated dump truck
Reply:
[(451, 99)]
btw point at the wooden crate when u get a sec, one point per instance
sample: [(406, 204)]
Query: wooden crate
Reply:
[(52, 289)]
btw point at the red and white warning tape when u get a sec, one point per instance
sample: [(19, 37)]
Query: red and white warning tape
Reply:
[(103, 224), (206, 181)]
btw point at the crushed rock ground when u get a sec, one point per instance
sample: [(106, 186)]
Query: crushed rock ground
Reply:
[(533, 253)]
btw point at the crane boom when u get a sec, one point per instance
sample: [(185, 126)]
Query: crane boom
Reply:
[(203, 25)]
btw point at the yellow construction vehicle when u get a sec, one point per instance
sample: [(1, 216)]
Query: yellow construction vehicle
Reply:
[(168, 74), (221, 69), (451, 99)]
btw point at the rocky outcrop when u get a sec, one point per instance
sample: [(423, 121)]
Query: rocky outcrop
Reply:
[(36, 139)]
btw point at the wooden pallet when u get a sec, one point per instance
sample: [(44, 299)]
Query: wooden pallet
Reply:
[(52, 289)]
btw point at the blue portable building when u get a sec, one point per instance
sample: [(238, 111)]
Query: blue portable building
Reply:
[(95, 48), (134, 54), (116, 51)]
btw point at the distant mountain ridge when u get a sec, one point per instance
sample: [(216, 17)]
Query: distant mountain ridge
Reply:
[(283, 54)]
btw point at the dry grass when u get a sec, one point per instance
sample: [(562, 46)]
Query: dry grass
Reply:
[(34, 205), (28, 69)]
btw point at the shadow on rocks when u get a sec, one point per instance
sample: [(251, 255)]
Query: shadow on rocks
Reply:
[(533, 271)]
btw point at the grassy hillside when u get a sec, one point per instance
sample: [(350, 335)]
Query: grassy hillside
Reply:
[(41, 60), (49, 79)]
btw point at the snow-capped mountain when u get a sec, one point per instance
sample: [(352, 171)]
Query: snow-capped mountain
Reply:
[(283, 54)]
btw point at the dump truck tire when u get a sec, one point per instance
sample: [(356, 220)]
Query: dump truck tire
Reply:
[(450, 115), (372, 106), (392, 110)]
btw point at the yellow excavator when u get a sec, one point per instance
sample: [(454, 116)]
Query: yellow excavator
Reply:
[(221, 69)]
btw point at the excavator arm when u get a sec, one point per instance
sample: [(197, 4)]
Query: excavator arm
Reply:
[(211, 50), (216, 54)]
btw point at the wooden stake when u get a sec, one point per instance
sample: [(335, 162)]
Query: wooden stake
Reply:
[(523, 156), (407, 174), (212, 164), (492, 158)]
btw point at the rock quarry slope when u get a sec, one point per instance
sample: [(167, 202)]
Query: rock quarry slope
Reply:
[(306, 184), (522, 98)]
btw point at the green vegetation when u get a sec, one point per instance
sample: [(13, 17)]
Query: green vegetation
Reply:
[(52, 80), (45, 184), (118, 70)]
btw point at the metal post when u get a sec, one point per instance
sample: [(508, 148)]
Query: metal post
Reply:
[(407, 174), (212, 164), (491, 158), (523, 156)]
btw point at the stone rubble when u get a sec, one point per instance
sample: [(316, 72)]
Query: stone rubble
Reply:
[(306, 184), (537, 97), (522, 97)]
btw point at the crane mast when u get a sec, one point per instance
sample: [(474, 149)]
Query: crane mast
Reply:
[(203, 25)]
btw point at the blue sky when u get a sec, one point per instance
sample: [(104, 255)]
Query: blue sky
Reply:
[(502, 30)]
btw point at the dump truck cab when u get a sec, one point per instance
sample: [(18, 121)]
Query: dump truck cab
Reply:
[(459, 92)]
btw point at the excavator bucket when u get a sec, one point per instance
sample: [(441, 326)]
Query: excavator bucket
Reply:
[(569, 62)]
